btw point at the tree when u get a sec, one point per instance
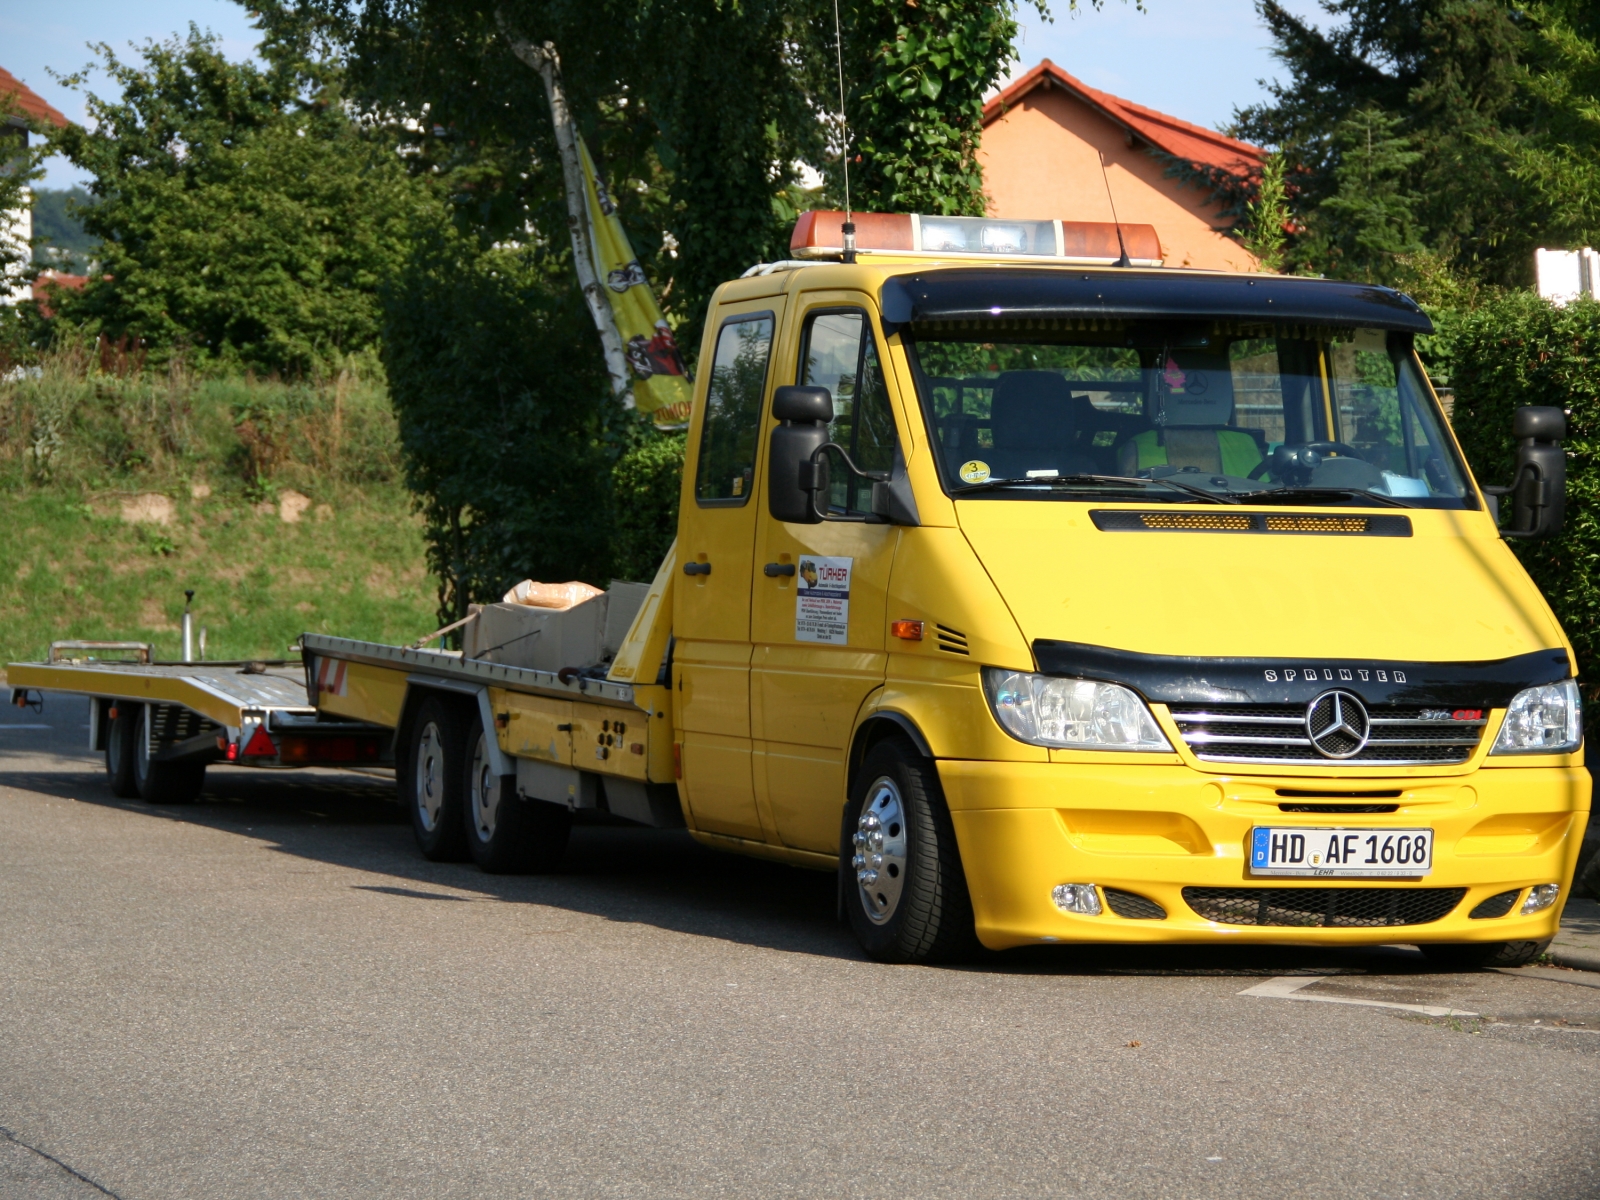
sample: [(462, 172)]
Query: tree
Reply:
[(507, 438), (916, 76), (243, 216), (1370, 220), (1447, 72), (1267, 218)]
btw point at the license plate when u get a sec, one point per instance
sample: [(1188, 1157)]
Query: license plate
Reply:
[(1340, 852)]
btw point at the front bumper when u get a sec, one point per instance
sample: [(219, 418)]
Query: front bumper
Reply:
[(1023, 828)]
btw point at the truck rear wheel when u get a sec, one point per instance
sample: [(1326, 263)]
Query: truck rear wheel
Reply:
[(904, 889), (162, 782), (507, 835), (431, 778), (124, 728), (1465, 956)]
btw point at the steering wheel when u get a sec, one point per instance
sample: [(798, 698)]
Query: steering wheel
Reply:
[(1341, 448)]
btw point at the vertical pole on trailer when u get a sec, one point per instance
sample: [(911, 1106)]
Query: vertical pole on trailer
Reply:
[(188, 626)]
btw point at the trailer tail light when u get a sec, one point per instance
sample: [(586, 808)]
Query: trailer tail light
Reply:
[(260, 745), (820, 234), (302, 750)]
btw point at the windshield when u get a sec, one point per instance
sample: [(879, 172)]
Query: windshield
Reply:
[(1320, 417)]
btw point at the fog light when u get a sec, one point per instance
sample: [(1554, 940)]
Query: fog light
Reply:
[(1080, 898), (1540, 897)]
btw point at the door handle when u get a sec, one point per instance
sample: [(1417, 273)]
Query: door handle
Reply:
[(773, 570), (697, 568)]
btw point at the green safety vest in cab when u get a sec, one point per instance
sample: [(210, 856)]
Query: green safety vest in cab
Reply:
[(1196, 406)]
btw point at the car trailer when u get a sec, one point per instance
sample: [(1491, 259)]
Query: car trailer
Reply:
[(160, 724)]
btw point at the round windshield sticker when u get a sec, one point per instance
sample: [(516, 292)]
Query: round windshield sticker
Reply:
[(974, 471)]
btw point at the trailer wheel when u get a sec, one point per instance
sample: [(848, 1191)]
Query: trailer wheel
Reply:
[(431, 778), (903, 885), (506, 834), (1465, 956), (162, 782), (120, 748)]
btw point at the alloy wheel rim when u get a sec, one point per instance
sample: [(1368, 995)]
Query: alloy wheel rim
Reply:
[(880, 851), (430, 776), (485, 792)]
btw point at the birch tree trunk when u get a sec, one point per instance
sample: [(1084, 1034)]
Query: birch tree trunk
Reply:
[(543, 59)]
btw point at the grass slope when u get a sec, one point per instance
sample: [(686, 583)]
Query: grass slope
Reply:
[(88, 445)]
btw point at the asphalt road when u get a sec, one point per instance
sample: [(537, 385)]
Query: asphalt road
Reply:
[(269, 993)]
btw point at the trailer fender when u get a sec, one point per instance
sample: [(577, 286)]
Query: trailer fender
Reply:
[(418, 686)]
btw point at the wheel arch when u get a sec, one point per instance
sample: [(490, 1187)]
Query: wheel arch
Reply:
[(470, 697), (880, 724)]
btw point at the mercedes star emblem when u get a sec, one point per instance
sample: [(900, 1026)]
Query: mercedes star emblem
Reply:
[(1338, 724)]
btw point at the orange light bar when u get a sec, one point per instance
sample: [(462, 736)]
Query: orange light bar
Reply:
[(820, 234)]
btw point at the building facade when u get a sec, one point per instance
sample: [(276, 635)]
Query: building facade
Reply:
[(1055, 147)]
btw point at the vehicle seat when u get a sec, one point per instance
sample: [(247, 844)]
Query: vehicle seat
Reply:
[(1196, 392), (1034, 420)]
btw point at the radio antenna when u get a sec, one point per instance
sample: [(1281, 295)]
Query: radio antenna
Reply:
[(849, 228), (1124, 261)]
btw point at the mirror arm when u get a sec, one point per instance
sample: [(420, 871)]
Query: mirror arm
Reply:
[(812, 484), (1494, 494)]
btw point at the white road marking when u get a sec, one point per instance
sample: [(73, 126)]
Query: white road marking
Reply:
[(10, 726), (1287, 987)]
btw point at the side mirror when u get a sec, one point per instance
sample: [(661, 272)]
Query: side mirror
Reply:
[(1538, 488), (792, 478)]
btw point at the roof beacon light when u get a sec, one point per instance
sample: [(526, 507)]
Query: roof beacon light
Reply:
[(824, 235)]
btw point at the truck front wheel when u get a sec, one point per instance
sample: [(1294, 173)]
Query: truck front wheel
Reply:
[(431, 777), (903, 885), (1465, 956), (506, 834)]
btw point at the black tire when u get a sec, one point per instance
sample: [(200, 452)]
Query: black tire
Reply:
[(430, 778), (1467, 956), (163, 782), (896, 825), (505, 834), (120, 735)]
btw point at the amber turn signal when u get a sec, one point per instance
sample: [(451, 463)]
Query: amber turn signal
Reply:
[(909, 631)]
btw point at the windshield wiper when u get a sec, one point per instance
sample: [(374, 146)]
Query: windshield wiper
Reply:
[(1311, 494), (1079, 480)]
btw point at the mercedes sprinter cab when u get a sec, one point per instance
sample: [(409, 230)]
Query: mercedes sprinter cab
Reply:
[(1059, 597)]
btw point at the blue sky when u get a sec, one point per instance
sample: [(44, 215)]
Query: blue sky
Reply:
[(1195, 59)]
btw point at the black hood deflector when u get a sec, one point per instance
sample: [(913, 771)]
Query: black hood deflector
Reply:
[(1176, 679)]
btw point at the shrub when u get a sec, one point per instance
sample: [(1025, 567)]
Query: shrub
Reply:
[(506, 423), (645, 482), (1515, 350)]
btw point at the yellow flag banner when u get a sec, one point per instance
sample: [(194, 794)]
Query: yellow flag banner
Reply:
[(661, 386)]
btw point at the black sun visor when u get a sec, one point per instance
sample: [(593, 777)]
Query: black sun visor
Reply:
[(982, 294)]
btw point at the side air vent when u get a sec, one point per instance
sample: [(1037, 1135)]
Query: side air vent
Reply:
[(952, 640), (1495, 906), (1131, 906), (1122, 520)]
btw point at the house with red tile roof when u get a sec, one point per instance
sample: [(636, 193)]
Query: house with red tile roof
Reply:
[(1047, 135), (21, 110)]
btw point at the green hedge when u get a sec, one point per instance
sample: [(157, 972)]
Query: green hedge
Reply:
[(1518, 350)]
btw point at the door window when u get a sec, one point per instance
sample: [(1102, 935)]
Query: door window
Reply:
[(841, 355), (726, 471)]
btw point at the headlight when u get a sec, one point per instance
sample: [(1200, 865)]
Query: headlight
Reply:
[(1542, 720), (1078, 713)]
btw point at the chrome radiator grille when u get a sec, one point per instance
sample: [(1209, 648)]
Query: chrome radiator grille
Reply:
[(1265, 733)]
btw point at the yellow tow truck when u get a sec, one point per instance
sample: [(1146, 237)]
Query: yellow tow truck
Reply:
[(1046, 595)]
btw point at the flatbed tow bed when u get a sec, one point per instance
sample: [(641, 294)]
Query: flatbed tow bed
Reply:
[(175, 718)]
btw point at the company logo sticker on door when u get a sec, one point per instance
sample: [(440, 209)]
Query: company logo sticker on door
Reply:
[(822, 600)]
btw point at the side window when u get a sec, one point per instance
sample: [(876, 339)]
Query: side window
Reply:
[(726, 471), (840, 354)]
